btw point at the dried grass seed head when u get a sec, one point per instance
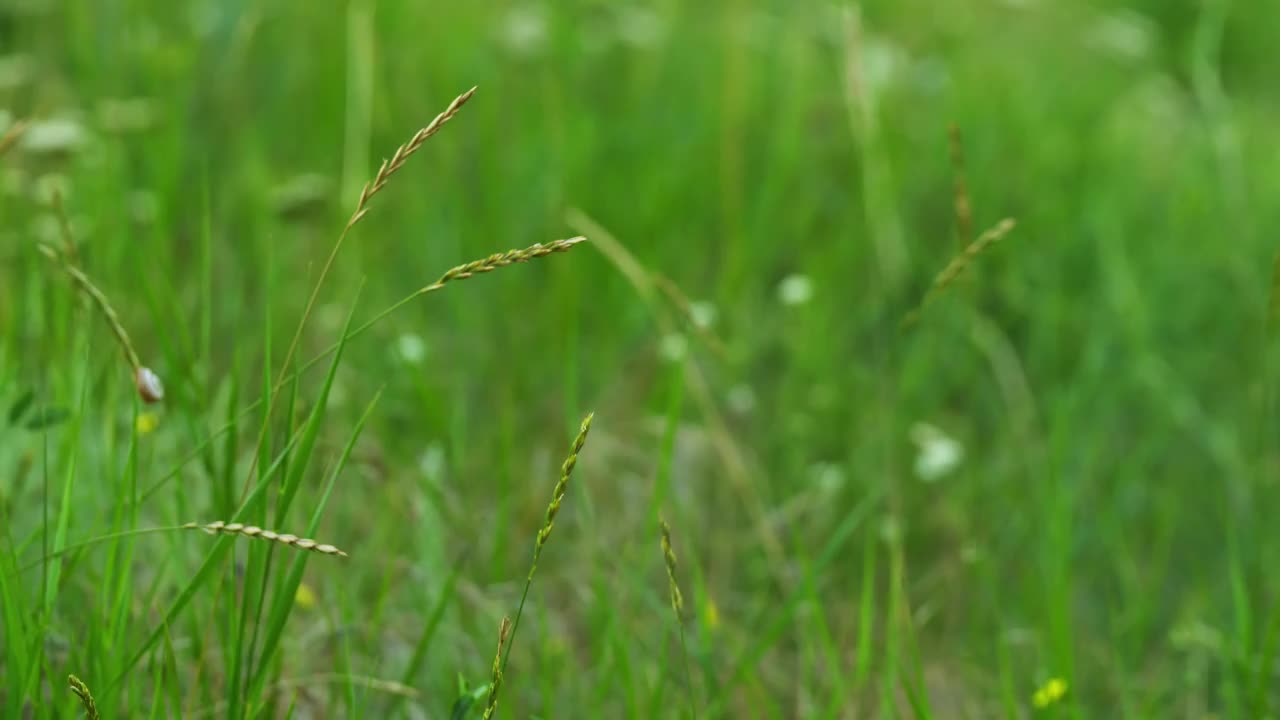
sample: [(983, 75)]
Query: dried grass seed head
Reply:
[(251, 531)]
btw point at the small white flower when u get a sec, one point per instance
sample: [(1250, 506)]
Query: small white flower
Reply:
[(1125, 34), (640, 27), (702, 313), (432, 462), (56, 135), (673, 347), (937, 453), (524, 30), (828, 477), (411, 348), (795, 290)]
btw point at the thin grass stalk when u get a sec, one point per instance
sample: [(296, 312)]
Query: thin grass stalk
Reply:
[(461, 272), (677, 608), (148, 384), (86, 697), (371, 188), (544, 533), (495, 684), (99, 299), (726, 447)]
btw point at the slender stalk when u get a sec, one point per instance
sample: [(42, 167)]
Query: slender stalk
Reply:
[(460, 272), (379, 181), (491, 704), (544, 533), (957, 266), (677, 608)]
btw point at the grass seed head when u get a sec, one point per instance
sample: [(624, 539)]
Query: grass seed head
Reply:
[(669, 557), (491, 705), (86, 698), (251, 531), (958, 265), (500, 260), (557, 495), (402, 153)]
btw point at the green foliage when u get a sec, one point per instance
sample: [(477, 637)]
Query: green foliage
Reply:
[(1054, 488)]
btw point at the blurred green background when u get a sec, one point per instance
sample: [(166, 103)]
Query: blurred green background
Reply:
[(1066, 470)]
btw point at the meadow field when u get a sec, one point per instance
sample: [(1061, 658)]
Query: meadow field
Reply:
[(712, 359)]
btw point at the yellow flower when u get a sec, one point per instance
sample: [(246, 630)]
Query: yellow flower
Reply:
[(305, 597), (710, 614), (1049, 693), (146, 422)]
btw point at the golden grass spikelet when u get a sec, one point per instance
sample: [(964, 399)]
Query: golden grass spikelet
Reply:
[(402, 153), (544, 533), (500, 260), (491, 705), (371, 188), (958, 265), (86, 698), (557, 495), (12, 135), (669, 556), (251, 531)]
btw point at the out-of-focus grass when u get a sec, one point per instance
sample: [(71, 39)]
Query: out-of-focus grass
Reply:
[(1092, 504)]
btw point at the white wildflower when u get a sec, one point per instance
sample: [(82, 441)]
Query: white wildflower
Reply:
[(524, 30), (937, 453), (795, 290), (56, 135), (1124, 34), (673, 347), (702, 313), (411, 348), (432, 463), (640, 27)]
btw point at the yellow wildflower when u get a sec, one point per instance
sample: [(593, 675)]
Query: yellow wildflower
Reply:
[(305, 597), (710, 614), (1049, 693), (146, 422)]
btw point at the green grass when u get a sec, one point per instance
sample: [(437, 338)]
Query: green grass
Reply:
[(1109, 368)]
